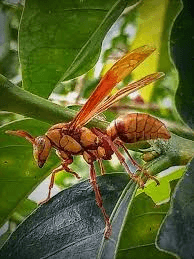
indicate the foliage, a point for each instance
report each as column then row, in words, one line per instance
column 62, row 40
column 180, row 218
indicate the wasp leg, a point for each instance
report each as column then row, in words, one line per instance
column 102, row 170
column 145, row 172
column 69, row 170
column 149, row 176
column 67, row 160
column 56, row 170
column 120, row 144
column 120, row 157
column 99, row 202
column 63, row 166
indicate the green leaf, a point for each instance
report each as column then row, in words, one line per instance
column 161, row 193
column 23, row 210
column 177, row 232
column 62, row 39
column 108, row 248
column 9, row 63
column 182, row 53
column 5, row 34
column 168, row 86
column 19, row 174
column 70, row 227
column 154, row 26
column 140, row 230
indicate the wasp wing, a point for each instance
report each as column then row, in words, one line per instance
column 132, row 87
column 115, row 74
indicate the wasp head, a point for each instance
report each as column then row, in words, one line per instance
column 41, row 145
column 41, row 149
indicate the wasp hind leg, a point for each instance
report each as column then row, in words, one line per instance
column 140, row 168
column 114, row 146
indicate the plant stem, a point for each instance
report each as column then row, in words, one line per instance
column 175, row 152
column 17, row 100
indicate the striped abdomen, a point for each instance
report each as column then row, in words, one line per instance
column 137, row 126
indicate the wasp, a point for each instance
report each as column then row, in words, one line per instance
column 72, row 138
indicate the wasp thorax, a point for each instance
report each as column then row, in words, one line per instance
column 41, row 149
column 88, row 139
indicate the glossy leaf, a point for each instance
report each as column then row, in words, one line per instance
column 23, row 210
column 62, row 39
column 162, row 192
column 155, row 31
column 4, row 237
column 70, row 227
column 108, row 248
column 9, row 62
column 177, row 232
column 20, row 213
column 140, row 230
column 169, row 85
column 182, row 46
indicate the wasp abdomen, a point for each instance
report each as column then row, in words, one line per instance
column 137, row 126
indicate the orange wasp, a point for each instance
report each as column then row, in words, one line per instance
column 72, row 138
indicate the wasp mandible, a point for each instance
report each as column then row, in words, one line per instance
column 72, row 138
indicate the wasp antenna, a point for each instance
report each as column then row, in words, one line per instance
column 22, row 134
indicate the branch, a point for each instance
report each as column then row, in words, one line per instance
column 177, row 151
column 17, row 100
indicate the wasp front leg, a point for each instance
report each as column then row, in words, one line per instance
column 66, row 160
column 99, row 201
column 56, row 170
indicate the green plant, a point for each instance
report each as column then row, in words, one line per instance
column 60, row 41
